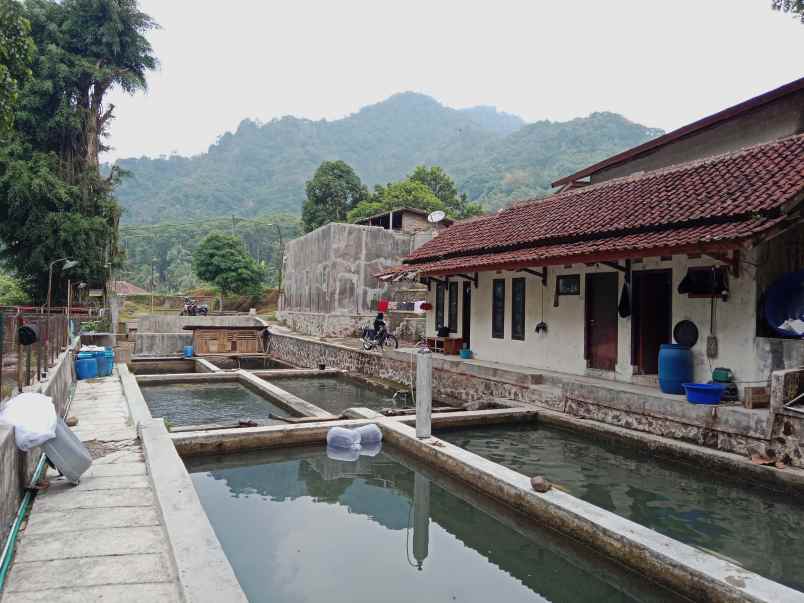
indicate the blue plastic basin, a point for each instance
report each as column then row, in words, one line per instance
column 704, row 393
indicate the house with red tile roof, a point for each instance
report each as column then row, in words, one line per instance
column 675, row 241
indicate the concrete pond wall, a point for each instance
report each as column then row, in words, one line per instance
column 16, row 467
column 165, row 335
column 729, row 428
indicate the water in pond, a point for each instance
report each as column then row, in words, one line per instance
column 248, row 363
column 300, row 527
column 336, row 394
column 759, row 529
column 205, row 403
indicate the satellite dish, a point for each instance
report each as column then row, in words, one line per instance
column 436, row 216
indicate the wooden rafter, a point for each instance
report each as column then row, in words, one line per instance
column 733, row 261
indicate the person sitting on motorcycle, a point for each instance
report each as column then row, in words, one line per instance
column 379, row 325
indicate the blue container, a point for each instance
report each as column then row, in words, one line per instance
column 110, row 359
column 103, row 366
column 465, row 354
column 84, row 355
column 675, row 368
column 704, row 393
column 86, row 368
column 188, row 351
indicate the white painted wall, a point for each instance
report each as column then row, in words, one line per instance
column 561, row 348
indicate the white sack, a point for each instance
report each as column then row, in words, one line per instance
column 33, row 417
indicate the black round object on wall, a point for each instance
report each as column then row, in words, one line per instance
column 28, row 334
column 685, row 333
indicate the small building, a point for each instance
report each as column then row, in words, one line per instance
column 405, row 219
column 595, row 278
column 210, row 340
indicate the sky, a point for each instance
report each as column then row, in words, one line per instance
column 662, row 64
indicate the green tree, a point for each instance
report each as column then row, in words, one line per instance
column 16, row 53
column 436, row 179
column 795, row 7
column 332, row 192
column 222, row 260
column 53, row 200
column 11, row 291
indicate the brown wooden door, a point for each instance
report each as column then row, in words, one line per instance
column 601, row 320
column 652, row 317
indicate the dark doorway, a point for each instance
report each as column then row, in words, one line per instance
column 601, row 320
column 466, row 316
column 652, row 319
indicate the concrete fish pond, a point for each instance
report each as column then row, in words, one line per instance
column 336, row 393
column 421, row 518
column 297, row 525
column 183, row 404
column 752, row 526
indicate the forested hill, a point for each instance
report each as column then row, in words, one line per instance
column 261, row 168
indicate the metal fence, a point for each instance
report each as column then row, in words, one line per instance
column 24, row 365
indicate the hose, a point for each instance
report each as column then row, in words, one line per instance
column 22, row 512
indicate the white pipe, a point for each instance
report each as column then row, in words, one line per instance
column 424, row 393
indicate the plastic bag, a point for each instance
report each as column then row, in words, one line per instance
column 369, row 434
column 33, row 417
column 343, row 454
column 371, row 449
column 340, row 437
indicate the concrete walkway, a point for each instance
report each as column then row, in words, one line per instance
column 102, row 540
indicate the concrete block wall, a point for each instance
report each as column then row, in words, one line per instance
column 330, row 288
column 17, row 468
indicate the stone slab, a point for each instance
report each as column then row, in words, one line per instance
column 91, row 571
column 91, row 543
column 163, row 592
column 115, row 469
column 95, row 482
column 52, row 522
column 77, row 499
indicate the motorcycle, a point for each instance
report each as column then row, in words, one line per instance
column 192, row 308
column 380, row 338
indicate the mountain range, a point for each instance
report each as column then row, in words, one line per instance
column 261, row 168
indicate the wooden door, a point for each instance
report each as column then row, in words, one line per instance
column 601, row 320
column 466, row 317
column 652, row 318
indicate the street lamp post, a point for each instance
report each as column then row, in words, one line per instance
column 68, row 263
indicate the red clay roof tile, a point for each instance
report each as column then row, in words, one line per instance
column 716, row 197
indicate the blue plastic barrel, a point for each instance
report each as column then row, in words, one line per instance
column 110, row 359
column 103, row 366
column 188, row 351
column 675, row 367
column 86, row 368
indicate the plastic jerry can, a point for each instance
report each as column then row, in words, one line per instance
column 67, row 453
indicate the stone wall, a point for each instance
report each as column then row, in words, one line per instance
column 17, row 468
column 729, row 428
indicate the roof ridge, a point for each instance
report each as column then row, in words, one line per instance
column 645, row 176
